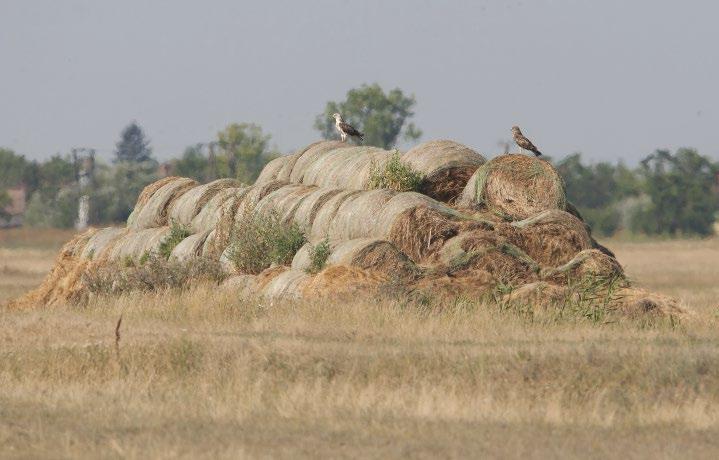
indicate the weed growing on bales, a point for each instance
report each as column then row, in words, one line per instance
column 260, row 240
column 155, row 273
column 178, row 232
column 395, row 175
column 319, row 255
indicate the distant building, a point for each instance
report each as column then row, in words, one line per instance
column 13, row 213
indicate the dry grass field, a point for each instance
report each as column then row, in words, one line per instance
column 201, row 373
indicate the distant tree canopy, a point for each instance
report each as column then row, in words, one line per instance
column 245, row 150
column 381, row 116
column 681, row 188
column 193, row 164
column 133, row 146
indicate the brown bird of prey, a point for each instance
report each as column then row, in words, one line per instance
column 345, row 129
column 523, row 142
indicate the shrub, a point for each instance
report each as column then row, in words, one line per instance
column 396, row 175
column 318, row 256
column 155, row 273
column 260, row 240
column 178, row 232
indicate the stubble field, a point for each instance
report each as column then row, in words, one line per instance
column 201, row 373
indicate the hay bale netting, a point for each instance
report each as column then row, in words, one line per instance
column 64, row 283
column 287, row 285
column 153, row 213
column 588, row 264
column 446, row 167
column 185, row 208
column 515, row 186
column 190, row 247
column 347, row 167
column 101, row 242
column 552, row 237
column 134, row 245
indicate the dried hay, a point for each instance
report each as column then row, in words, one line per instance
column 267, row 275
column 208, row 216
column 309, row 156
column 552, row 237
column 190, row 247
column 371, row 254
column 446, row 167
column 150, row 190
column 303, row 258
column 590, row 263
column 243, row 285
column 284, row 201
column 184, row 209
column 355, row 214
column 272, row 169
column 101, row 241
column 134, row 245
column 346, row 167
column 635, row 303
column 515, row 186
column 538, row 295
column 307, row 210
column 340, row 281
column 325, row 215
column 64, row 284
column 154, row 211
column 286, row 285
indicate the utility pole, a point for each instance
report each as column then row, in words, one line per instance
column 86, row 170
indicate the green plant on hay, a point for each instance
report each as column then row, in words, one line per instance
column 319, row 254
column 178, row 232
column 396, row 175
column 260, row 240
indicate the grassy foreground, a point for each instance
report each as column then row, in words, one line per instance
column 203, row 374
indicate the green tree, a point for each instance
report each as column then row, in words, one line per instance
column 133, row 145
column 5, row 201
column 681, row 192
column 192, row 164
column 245, row 151
column 13, row 168
column 383, row 117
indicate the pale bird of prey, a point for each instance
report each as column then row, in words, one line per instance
column 523, row 142
column 345, row 129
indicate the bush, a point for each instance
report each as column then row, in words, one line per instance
column 155, row 273
column 178, row 232
column 605, row 221
column 396, row 175
column 318, row 256
column 260, row 240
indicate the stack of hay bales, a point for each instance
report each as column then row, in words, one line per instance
column 475, row 227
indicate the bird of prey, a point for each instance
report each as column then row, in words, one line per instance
column 523, row 142
column 345, row 129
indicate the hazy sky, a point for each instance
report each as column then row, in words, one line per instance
column 612, row 79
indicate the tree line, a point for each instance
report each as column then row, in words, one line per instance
column 668, row 193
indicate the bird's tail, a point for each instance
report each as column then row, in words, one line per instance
column 537, row 153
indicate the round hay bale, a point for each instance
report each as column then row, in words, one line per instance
column 208, row 216
column 285, row 173
column 371, row 254
column 150, row 190
column 254, row 194
column 272, row 169
column 311, row 154
column 190, row 247
column 100, row 241
column 154, row 212
column 588, row 263
column 446, row 166
column 516, row 186
column 538, row 295
column 356, row 212
column 303, row 258
column 287, row 285
column 307, row 210
column 243, row 285
column 324, row 216
column 267, row 275
column 185, row 208
column 637, row 303
column 134, row 245
column 347, row 167
column 284, row 201
column 552, row 237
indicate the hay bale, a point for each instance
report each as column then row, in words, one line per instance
column 324, row 216
column 303, row 258
column 446, row 167
column 635, row 303
column 341, row 281
column 190, row 247
column 208, row 216
column 286, row 285
column 243, row 285
column 552, row 237
column 65, row 283
column 307, row 210
column 101, row 241
column 185, row 208
column 354, row 215
column 588, row 263
column 284, row 201
column 134, row 245
column 150, row 190
column 515, row 186
column 308, row 157
column 346, row 167
column 271, row 169
column 153, row 213
column 371, row 254
column 538, row 295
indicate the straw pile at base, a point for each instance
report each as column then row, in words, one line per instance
column 511, row 236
